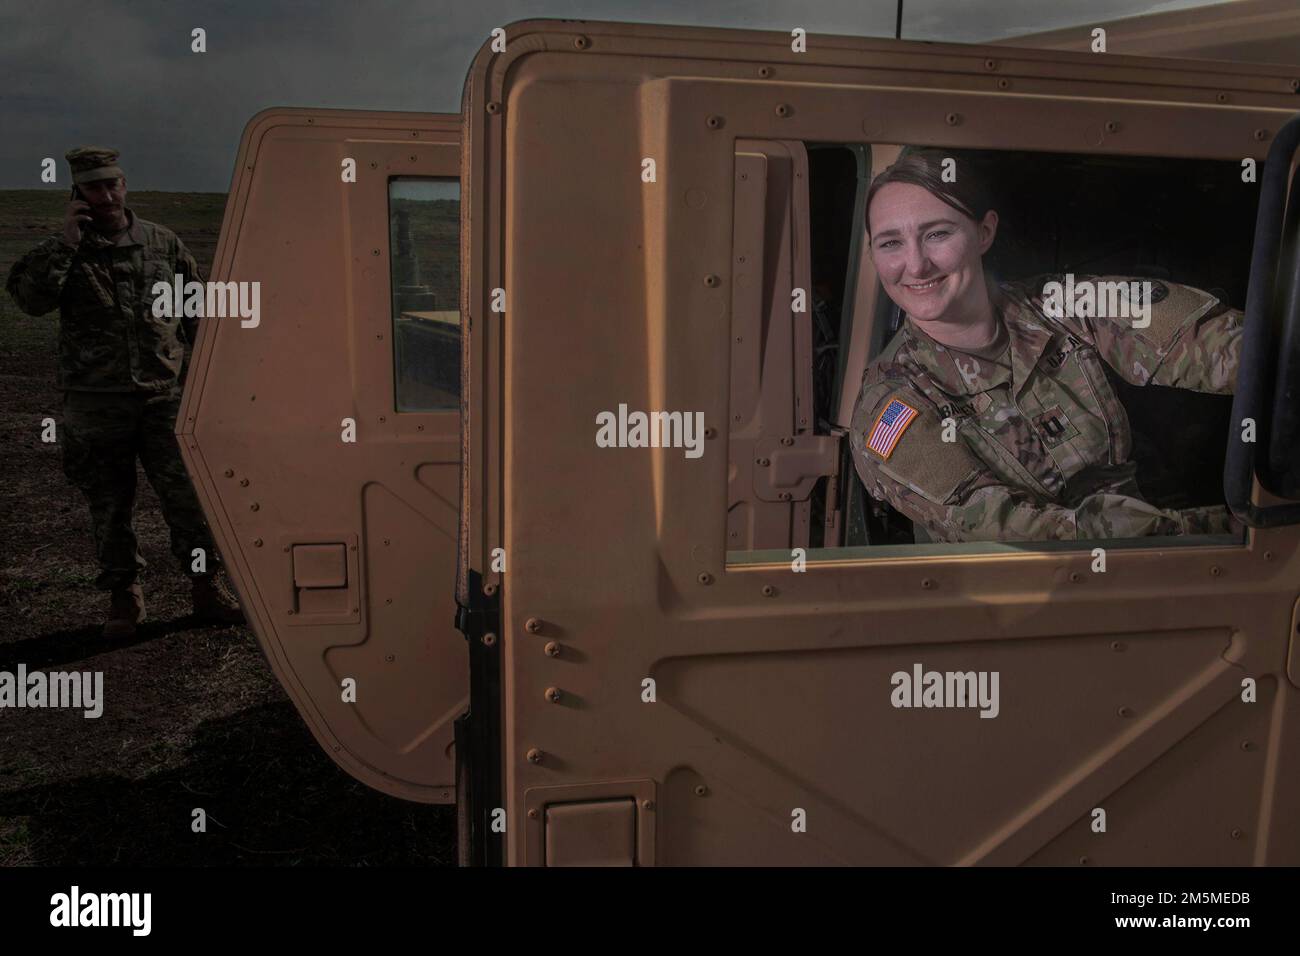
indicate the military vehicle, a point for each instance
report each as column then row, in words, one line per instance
column 639, row 655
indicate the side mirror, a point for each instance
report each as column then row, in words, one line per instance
column 1268, row 392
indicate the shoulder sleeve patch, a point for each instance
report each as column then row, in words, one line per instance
column 898, row 439
column 890, row 425
column 1172, row 307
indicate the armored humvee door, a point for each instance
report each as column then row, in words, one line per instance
column 342, row 550
column 664, row 700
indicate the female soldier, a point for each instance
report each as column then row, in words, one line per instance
column 989, row 416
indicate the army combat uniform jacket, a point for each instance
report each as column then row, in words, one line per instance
column 109, row 339
column 1035, row 445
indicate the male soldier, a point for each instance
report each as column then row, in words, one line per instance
column 120, row 369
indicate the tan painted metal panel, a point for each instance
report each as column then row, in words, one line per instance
column 342, row 553
column 772, row 687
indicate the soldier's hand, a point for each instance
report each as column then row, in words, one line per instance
column 77, row 215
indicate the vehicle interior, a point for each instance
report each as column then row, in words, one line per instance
column 1180, row 220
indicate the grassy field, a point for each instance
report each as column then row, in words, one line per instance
column 197, row 719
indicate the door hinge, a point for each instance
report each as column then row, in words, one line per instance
column 478, row 731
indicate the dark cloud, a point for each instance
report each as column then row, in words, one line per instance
column 120, row 72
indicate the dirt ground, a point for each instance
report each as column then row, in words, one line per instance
column 194, row 717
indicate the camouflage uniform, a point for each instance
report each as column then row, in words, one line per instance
column 120, row 369
column 1042, row 443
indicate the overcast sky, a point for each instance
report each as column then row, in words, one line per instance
column 120, row 72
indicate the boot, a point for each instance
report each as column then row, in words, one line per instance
column 213, row 601
column 125, row 612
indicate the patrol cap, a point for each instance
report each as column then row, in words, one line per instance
column 90, row 163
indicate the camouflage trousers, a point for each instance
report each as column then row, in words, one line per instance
column 102, row 434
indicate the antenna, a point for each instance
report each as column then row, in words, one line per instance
column 898, row 23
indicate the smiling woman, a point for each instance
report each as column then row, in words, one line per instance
column 989, row 415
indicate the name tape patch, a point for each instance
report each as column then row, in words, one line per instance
column 889, row 427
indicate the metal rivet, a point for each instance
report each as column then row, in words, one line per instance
column 552, row 649
column 647, row 804
column 1261, row 134
column 785, row 496
column 990, row 64
column 581, row 42
column 230, row 473
column 493, row 107
column 1221, row 97
column 1083, row 861
column 1112, row 126
column 1076, row 577
column 386, row 541
column 952, row 119
column 257, row 542
column 292, row 611
column 710, row 432
column 534, row 755
column 373, row 164
column 927, row 584
column 1126, row 711
column 1004, row 84
column 553, row 694
column 769, row 591
column 787, row 442
column 1237, row 833
column 413, row 157
column 489, row 589
column 1247, row 745
column 489, row 639
column 765, row 71
column 1295, row 86
column 390, row 658
column 243, row 482
column 711, row 280
column 783, row 109
column 762, row 461
column 1268, row 555
column 533, row 625
column 254, row 507
column 715, row 122
column 374, row 252
column 351, row 548
column 705, row 577
column 534, row 814
column 701, row 790
column 356, row 610
column 1117, row 646
column 285, row 548
column 388, row 600
column 1215, row 570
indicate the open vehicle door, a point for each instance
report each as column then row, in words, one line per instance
column 666, row 697
column 324, row 440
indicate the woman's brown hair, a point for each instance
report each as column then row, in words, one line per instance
column 924, row 168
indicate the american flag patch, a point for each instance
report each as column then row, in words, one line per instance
column 889, row 427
